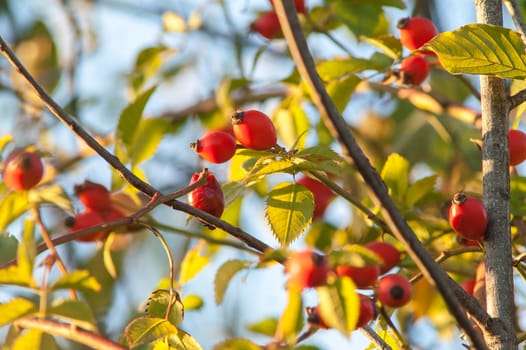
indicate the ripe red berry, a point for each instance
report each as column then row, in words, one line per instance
column 321, row 193
column 306, row 269
column 215, row 146
column 389, row 254
column 300, row 5
column 367, row 311
column 23, row 170
column 414, row 70
column 416, row 31
column 84, row 220
column 254, row 130
column 207, row 197
column 267, row 25
column 363, row 277
column 517, row 146
column 93, row 196
column 468, row 285
column 393, row 290
column 468, row 217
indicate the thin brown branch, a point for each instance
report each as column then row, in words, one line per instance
column 375, row 338
column 336, row 124
column 51, row 247
column 121, row 169
column 517, row 99
column 91, row 339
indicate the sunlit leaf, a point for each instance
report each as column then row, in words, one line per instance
column 35, row 339
column 192, row 264
column 341, row 90
column 131, row 116
column 237, row 344
column 157, row 306
column 15, row 309
column 53, row 194
column 173, row 22
column 81, row 280
column 147, row 138
column 419, row 189
column 193, row 302
column 266, row 327
column 184, row 341
column 481, row 49
column 144, row 330
column 4, row 141
column 395, row 173
column 362, row 18
column 389, row 44
column 292, row 122
column 338, row 68
column 291, row 321
column 12, row 205
column 75, row 312
column 339, row 305
column 289, row 211
column 8, row 247
column 224, row 275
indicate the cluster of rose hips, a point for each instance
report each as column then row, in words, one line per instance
column 308, row 269
column 98, row 209
column 267, row 24
column 415, row 32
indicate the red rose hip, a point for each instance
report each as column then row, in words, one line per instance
column 414, row 70
column 254, row 130
column 467, row 216
column 215, row 146
column 93, row 196
column 393, row 290
column 389, row 254
column 23, row 170
column 321, row 193
column 306, row 269
column 416, row 32
column 267, row 25
column 517, row 146
column 363, row 277
column 207, row 197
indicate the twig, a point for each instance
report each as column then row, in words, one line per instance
column 516, row 15
column 397, row 333
column 49, row 244
column 93, row 340
column 375, row 338
column 517, row 99
column 337, row 126
column 111, row 159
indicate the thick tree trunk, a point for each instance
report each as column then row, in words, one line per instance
column 496, row 191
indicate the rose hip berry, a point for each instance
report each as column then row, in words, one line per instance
column 363, row 277
column 254, row 130
column 517, row 146
column 207, row 197
column 93, row 196
column 367, row 311
column 393, row 290
column 414, row 70
column 90, row 218
column 321, row 193
column 23, row 170
column 389, row 254
column 267, row 25
column 306, row 269
column 215, row 146
column 467, row 216
column 300, row 5
column 416, row 31
column 468, row 285
column 314, row 318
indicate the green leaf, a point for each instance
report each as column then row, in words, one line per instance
column 389, row 44
column 339, row 305
column 184, row 341
column 4, row 141
column 131, row 116
column 395, row 173
column 291, row 321
column 481, row 49
column 145, row 330
column 224, row 275
column 157, row 305
column 362, row 18
column 75, row 312
column 193, row 302
column 35, row 339
column 353, row 255
column 341, row 90
column 293, row 122
column 266, row 327
column 289, row 211
column 15, row 309
column 192, row 264
column 12, row 205
column 81, row 280
column 237, row 344
column 271, row 167
column 338, row 68
column 8, row 247
column 53, row 194
column 147, row 138
column 419, row 189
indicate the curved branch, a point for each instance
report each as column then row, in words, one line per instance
column 111, row 159
column 335, row 123
column 91, row 339
column 517, row 99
